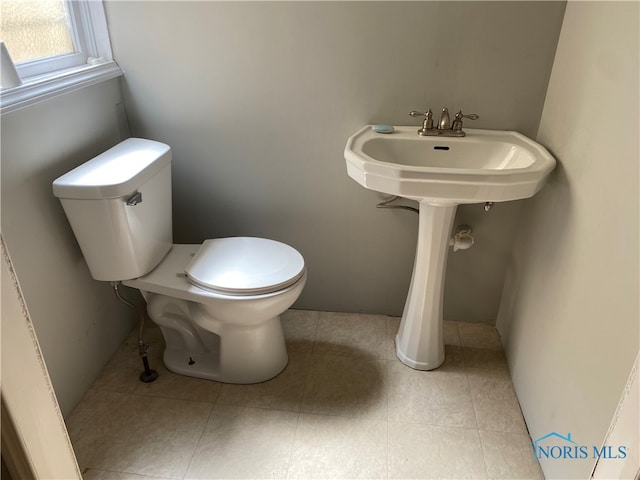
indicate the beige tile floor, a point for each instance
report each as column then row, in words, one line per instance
column 344, row 408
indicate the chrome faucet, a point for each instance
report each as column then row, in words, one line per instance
column 445, row 127
column 445, row 121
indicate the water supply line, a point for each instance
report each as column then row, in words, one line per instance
column 387, row 204
column 147, row 375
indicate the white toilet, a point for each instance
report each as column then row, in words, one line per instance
column 218, row 304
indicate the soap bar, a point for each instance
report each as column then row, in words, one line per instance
column 382, row 128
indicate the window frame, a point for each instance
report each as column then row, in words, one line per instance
column 93, row 63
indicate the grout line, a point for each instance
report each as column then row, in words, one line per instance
column 293, row 444
column 484, row 455
column 141, row 475
column 304, row 392
column 195, row 448
column 315, row 333
column 388, row 335
column 388, row 452
column 471, row 396
column 310, row 365
column 386, row 391
column 436, row 425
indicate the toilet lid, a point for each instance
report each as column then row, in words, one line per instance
column 245, row 266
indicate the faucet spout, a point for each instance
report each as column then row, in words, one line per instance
column 445, row 120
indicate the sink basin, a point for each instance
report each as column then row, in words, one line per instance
column 483, row 166
column 441, row 173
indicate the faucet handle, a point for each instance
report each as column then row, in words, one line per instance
column 471, row 116
column 457, row 123
column 415, row 113
column 427, row 123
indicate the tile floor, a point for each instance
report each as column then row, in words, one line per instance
column 344, row 408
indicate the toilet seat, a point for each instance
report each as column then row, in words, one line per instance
column 244, row 266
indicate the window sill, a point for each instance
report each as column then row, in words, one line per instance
column 40, row 88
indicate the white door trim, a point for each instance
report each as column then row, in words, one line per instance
column 38, row 445
column 624, row 431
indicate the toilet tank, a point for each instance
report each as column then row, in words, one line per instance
column 119, row 207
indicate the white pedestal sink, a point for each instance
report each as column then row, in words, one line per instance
column 441, row 173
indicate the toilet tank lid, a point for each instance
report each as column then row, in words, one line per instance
column 116, row 172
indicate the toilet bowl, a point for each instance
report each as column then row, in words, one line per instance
column 231, row 333
column 218, row 304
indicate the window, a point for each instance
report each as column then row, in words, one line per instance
column 52, row 46
column 36, row 29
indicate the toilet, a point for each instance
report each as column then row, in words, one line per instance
column 217, row 304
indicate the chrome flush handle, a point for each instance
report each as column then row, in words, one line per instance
column 134, row 199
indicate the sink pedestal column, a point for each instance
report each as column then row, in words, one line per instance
column 420, row 342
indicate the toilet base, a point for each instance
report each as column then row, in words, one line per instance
column 242, row 350
column 207, row 366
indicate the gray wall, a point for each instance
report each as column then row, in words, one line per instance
column 569, row 314
column 78, row 321
column 258, row 99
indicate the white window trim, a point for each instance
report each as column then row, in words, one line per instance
column 97, row 65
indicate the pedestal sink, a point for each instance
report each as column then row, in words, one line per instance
column 441, row 173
